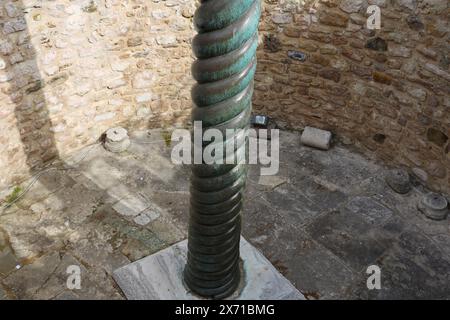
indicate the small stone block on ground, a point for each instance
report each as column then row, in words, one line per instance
column 316, row 138
column 159, row 277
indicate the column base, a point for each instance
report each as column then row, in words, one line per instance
column 160, row 277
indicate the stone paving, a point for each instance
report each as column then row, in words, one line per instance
column 322, row 221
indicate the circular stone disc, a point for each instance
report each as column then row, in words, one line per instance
column 435, row 201
column 398, row 180
column 116, row 134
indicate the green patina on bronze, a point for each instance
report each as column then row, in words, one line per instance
column 207, row 94
column 226, row 51
column 225, row 110
column 227, row 65
column 215, row 15
column 217, row 183
column 223, row 41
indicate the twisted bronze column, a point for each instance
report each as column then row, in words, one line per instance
column 226, row 50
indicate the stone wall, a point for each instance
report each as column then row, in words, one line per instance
column 385, row 91
column 71, row 69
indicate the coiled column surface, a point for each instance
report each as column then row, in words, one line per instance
column 225, row 46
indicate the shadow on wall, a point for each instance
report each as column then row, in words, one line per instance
column 25, row 88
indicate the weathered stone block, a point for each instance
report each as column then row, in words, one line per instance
column 159, row 277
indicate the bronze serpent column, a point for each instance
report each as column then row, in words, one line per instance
column 225, row 47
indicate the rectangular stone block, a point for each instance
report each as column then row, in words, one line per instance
column 159, row 277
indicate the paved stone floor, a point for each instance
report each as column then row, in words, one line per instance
column 322, row 221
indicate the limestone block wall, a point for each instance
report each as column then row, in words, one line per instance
column 385, row 91
column 70, row 69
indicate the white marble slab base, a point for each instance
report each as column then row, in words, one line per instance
column 159, row 277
